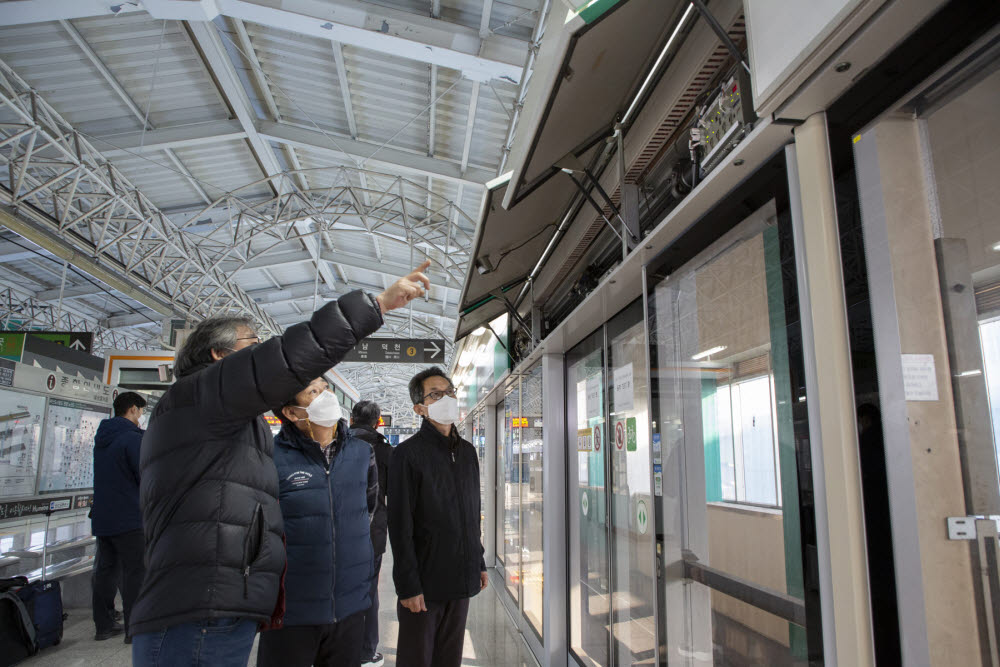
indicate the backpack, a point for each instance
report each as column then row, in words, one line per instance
column 43, row 600
column 17, row 631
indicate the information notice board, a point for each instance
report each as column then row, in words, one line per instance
column 47, row 425
column 68, row 454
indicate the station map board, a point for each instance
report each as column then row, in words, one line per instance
column 68, row 454
column 21, row 418
column 47, row 425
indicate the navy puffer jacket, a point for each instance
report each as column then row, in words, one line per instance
column 326, row 513
column 209, row 489
column 116, row 478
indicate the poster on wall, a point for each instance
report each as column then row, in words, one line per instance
column 624, row 391
column 21, row 418
column 68, row 455
column 594, row 397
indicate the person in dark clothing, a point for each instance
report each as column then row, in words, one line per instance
column 364, row 420
column 209, row 488
column 434, row 512
column 327, row 481
column 115, row 518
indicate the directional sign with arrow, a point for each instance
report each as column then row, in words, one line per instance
column 398, row 351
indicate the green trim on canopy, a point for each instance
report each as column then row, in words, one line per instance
column 596, row 9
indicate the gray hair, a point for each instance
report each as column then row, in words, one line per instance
column 366, row 413
column 217, row 333
column 417, row 383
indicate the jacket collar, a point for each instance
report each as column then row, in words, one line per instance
column 368, row 429
column 428, row 430
column 290, row 436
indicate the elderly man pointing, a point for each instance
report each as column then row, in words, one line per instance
column 209, row 489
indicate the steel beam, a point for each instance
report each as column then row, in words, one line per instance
column 368, row 26
column 405, row 161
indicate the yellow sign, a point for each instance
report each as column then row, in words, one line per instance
column 411, row 351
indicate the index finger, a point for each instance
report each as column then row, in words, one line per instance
column 418, row 274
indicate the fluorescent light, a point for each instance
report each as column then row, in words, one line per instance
column 996, row 246
column 479, row 332
column 502, row 179
column 656, row 66
column 967, row 374
column 708, row 353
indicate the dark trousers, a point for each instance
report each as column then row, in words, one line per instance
column 335, row 645
column 432, row 638
column 371, row 616
column 117, row 554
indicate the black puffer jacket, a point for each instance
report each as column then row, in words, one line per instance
column 383, row 454
column 434, row 515
column 209, row 489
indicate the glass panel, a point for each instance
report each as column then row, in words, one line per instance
column 963, row 134
column 989, row 334
column 531, row 497
column 723, row 411
column 479, row 440
column 501, row 485
column 589, row 577
column 631, row 495
column 513, row 478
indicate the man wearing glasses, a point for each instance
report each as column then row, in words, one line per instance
column 434, row 512
column 209, row 487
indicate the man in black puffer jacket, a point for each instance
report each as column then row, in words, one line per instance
column 209, row 489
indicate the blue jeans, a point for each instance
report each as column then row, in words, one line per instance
column 222, row 642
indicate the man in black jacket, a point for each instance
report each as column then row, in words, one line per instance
column 115, row 519
column 209, row 489
column 364, row 420
column 434, row 511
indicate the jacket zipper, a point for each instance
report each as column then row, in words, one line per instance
column 333, row 533
column 461, row 508
column 254, row 527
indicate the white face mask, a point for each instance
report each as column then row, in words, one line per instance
column 444, row 411
column 324, row 410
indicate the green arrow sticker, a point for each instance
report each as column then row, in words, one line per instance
column 641, row 517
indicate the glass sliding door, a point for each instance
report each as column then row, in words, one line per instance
column 732, row 476
column 501, row 484
column 479, row 440
column 532, row 500
column 513, row 479
column 633, row 569
column 612, row 582
column 589, row 571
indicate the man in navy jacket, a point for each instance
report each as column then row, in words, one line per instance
column 116, row 519
column 327, row 484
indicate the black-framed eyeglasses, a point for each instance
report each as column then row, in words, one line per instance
column 255, row 339
column 438, row 395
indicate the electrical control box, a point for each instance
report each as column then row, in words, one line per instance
column 725, row 120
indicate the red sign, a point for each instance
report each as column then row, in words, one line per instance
column 620, row 435
column 597, row 438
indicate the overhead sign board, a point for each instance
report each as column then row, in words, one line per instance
column 399, row 430
column 12, row 342
column 398, row 351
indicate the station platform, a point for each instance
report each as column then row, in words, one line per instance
column 491, row 639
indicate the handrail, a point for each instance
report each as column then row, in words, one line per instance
column 766, row 599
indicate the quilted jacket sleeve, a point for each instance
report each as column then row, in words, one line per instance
column 250, row 382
